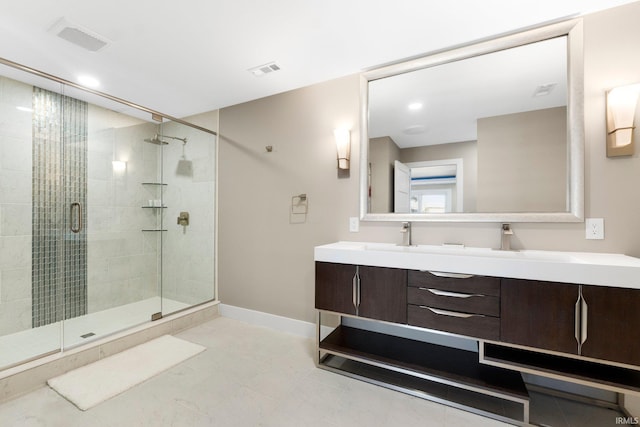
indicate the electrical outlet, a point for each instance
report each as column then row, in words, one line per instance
column 594, row 228
column 354, row 224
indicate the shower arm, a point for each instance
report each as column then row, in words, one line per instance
column 184, row 140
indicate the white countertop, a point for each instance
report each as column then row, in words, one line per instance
column 568, row 267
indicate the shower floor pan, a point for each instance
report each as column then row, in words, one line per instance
column 25, row 345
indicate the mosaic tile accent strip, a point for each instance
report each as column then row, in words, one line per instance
column 59, row 256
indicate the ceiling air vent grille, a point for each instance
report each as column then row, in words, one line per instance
column 78, row 35
column 262, row 70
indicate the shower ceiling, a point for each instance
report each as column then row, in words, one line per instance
column 195, row 56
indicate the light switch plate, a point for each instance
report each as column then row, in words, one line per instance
column 354, row 224
column 594, row 228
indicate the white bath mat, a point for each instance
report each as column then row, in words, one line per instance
column 89, row 385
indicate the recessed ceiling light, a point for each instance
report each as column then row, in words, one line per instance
column 88, row 81
column 544, row 90
column 415, row 106
column 25, row 109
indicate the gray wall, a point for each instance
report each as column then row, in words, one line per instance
column 522, row 162
column 267, row 264
column 383, row 152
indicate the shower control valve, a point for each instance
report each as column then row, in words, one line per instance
column 183, row 219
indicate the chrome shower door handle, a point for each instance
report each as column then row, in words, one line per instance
column 75, row 226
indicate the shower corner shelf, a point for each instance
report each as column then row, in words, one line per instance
column 154, row 230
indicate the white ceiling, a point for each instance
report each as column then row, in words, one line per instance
column 190, row 56
column 455, row 95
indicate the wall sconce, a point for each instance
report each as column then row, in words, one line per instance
column 343, row 144
column 621, row 109
column 119, row 167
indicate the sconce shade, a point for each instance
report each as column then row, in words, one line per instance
column 119, row 166
column 622, row 103
column 343, row 145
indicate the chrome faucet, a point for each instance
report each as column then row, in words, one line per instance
column 406, row 234
column 505, row 242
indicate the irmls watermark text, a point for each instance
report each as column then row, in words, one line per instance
column 627, row 420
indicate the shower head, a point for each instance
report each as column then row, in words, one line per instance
column 156, row 140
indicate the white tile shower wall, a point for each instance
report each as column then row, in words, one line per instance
column 188, row 257
column 15, row 206
column 122, row 260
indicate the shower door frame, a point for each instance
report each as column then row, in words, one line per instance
column 158, row 117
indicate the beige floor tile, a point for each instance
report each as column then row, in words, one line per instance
column 250, row 376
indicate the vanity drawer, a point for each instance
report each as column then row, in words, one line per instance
column 469, row 284
column 472, row 325
column 457, row 301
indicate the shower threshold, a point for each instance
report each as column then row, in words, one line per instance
column 28, row 344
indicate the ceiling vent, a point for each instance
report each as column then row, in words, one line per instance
column 264, row 69
column 78, row 35
column 544, row 90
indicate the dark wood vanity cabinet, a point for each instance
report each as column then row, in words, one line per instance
column 613, row 324
column 598, row 322
column 539, row 314
column 334, row 291
column 378, row 293
column 383, row 294
column 457, row 303
column 582, row 333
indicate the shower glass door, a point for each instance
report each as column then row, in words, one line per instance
column 188, row 249
column 107, row 216
column 28, row 222
column 116, row 194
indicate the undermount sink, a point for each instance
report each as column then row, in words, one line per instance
column 569, row 267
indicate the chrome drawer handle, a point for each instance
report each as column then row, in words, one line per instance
column 450, row 294
column 451, row 313
column 449, row 275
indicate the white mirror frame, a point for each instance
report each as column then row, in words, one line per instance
column 575, row 130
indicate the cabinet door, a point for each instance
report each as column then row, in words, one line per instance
column 334, row 287
column 539, row 314
column 383, row 294
column 613, row 324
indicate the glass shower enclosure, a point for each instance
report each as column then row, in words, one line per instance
column 107, row 215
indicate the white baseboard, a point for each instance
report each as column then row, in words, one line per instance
column 272, row 321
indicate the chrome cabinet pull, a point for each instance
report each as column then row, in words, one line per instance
column 449, row 275
column 584, row 315
column 451, row 313
column 581, row 318
column 577, row 321
column 449, row 294
column 355, row 283
column 75, row 206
